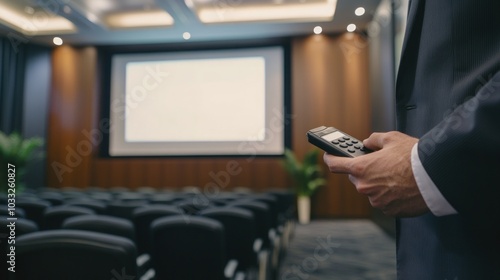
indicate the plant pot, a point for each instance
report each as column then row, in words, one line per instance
column 304, row 209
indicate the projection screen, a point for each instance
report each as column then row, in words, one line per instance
column 198, row 103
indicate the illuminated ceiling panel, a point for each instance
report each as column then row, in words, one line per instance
column 34, row 19
column 265, row 11
column 139, row 19
column 125, row 14
column 90, row 22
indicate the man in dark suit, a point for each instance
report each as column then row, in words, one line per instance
column 440, row 175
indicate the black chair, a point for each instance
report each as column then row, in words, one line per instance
column 240, row 233
column 75, row 255
column 223, row 199
column 150, row 191
column 118, row 190
column 102, row 197
column 18, row 212
column 144, row 216
column 3, row 198
column 286, row 215
column 275, row 235
column 271, row 202
column 193, row 204
column 109, row 225
column 103, row 224
column 262, row 217
column 21, row 227
column 72, row 192
column 34, row 208
column 270, row 243
column 99, row 207
column 194, row 250
column 54, row 198
column 131, row 196
column 164, row 198
column 285, row 204
column 54, row 217
column 124, row 209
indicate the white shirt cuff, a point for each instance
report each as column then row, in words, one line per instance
column 436, row 202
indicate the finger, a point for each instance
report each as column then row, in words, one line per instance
column 353, row 179
column 338, row 164
column 375, row 141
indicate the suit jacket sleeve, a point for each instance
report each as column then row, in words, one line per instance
column 462, row 154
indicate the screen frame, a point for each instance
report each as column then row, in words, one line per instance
column 106, row 53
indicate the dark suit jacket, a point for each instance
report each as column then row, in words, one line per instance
column 448, row 95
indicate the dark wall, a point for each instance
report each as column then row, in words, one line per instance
column 35, row 106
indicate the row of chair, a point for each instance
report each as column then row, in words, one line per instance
column 254, row 228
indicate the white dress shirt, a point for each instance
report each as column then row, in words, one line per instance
column 436, row 202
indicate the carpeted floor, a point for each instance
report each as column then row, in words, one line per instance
column 339, row 249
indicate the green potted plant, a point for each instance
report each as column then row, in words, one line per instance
column 307, row 178
column 18, row 152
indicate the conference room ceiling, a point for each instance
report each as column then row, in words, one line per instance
column 112, row 22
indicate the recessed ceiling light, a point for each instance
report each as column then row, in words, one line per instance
column 30, row 24
column 359, row 11
column 186, row 35
column 57, row 41
column 317, row 30
column 351, row 27
column 67, row 9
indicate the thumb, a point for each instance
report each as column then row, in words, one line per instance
column 338, row 164
column 375, row 141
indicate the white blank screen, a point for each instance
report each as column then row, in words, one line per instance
column 224, row 102
column 218, row 99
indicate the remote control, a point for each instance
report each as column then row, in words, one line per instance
column 336, row 142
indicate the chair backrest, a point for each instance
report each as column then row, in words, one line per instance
column 193, row 204
column 270, row 201
column 54, row 217
column 4, row 211
column 262, row 217
column 124, row 209
column 14, row 228
column 54, row 198
column 144, row 216
column 34, row 208
column 131, row 196
column 103, row 224
column 22, row 226
column 74, row 254
column 98, row 206
column 188, row 250
column 285, row 204
column 239, row 230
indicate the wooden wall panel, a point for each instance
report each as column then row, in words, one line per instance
column 69, row 151
column 328, row 88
